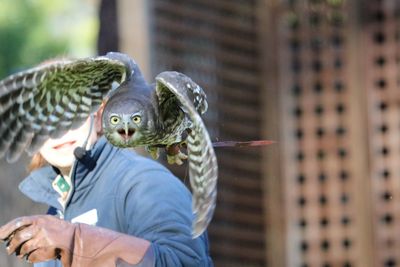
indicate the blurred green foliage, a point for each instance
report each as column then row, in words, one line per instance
column 32, row 31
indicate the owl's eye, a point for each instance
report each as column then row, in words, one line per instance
column 136, row 119
column 115, row 120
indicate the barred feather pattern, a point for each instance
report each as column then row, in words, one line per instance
column 203, row 173
column 50, row 99
column 203, row 167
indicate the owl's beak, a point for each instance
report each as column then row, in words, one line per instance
column 126, row 128
column 127, row 132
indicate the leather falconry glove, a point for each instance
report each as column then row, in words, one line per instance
column 44, row 237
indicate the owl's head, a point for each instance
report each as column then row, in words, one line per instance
column 127, row 123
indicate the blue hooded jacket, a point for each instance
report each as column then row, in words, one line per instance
column 122, row 191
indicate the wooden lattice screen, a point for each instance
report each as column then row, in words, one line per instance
column 320, row 177
column 382, row 81
column 215, row 42
column 339, row 77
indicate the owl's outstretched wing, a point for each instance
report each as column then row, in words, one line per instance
column 203, row 168
column 50, row 99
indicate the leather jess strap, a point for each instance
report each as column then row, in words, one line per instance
column 243, row 143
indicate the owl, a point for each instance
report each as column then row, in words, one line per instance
column 52, row 98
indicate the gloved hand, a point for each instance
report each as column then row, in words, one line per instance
column 41, row 238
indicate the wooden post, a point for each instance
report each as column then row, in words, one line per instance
column 358, row 100
column 273, row 185
column 134, row 32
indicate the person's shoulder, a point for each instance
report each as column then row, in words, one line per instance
column 143, row 170
column 127, row 170
column 133, row 162
column 146, row 182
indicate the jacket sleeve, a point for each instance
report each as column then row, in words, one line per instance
column 156, row 206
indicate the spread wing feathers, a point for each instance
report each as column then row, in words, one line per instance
column 203, row 168
column 50, row 99
column 187, row 88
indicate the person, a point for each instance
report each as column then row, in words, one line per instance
column 107, row 207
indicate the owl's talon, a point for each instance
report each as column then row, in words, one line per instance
column 153, row 151
column 175, row 155
column 177, row 159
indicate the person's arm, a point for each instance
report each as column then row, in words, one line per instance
column 44, row 237
column 157, row 207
